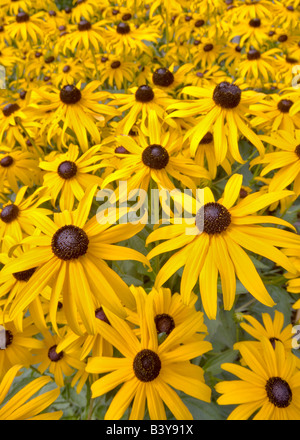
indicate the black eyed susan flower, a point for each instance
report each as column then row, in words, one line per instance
column 85, row 35
column 139, row 103
column 21, row 406
column 24, row 27
column 249, row 9
column 224, row 108
column 155, row 158
column 276, row 112
column 206, row 53
column 70, row 258
column 67, row 176
column 86, row 8
column 206, row 77
column 117, row 71
column 75, row 108
column 268, row 389
column 18, row 218
column 252, row 33
column 149, row 371
column 231, row 55
column 285, row 159
column 15, row 166
column 258, row 67
column 213, row 244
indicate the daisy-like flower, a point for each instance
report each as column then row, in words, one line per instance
column 18, row 217
column 286, row 159
column 269, row 388
column 269, row 329
column 206, row 52
column 19, row 345
column 140, row 102
column 252, row 33
column 58, row 363
column 125, row 39
column 224, row 108
column 13, row 7
column 155, row 158
column 85, row 35
column 68, row 176
column 147, row 369
column 287, row 16
column 206, row 77
column 21, row 406
column 276, row 112
column 249, row 9
column 11, row 115
column 171, row 78
column 116, row 71
column 86, row 8
column 169, row 312
column 26, row 27
column 70, row 71
column 213, row 244
column 70, row 257
column 15, row 166
column 258, row 67
column 78, row 110
column 285, row 70
column 231, row 55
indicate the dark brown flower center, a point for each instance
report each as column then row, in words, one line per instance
column 9, row 213
column 70, row 94
column 291, row 60
column 146, row 365
column 213, row 218
column 126, row 17
column 144, row 94
column 227, row 95
column 6, row 161
column 9, row 109
column 104, row 59
column 22, row 17
column 238, row 49
column 121, row 150
column 279, row 392
column 282, row 38
column 66, row 68
column 163, row 77
column 164, row 323
column 24, row 275
column 207, row 138
column 69, row 242
column 255, row 22
column 99, row 313
column 199, row 23
column 284, row 105
column 123, row 28
column 49, row 60
column 155, row 156
column 52, row 13
column 208, row 47
column 115, row 64
column 22, row 94
column 243, row 193
column 53, row 355
column 297, row 150
column 84, row 25
column 67, row 169
column 8, row 338
column 253, row 54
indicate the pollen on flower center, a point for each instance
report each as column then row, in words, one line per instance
column 163, row 77
column 155, row 156
column 227, row 95
column 69, row 94
column 53, row 355
column 279, row 392
column 9, row 213
column 24, row 275
column 67, row 169
column 164, row 323
column 214, row 217
column 146, row 365
column 144, row 94
column 284, row 105
column 69, row 242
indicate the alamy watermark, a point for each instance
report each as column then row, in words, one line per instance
column 2, row 77
column 158, row 206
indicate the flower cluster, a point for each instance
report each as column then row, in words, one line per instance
column 198, row 101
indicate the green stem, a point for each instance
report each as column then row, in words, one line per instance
column 95, row 62
column 18, row 121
